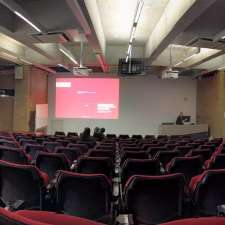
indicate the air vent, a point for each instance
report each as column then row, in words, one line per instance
column 54, row 37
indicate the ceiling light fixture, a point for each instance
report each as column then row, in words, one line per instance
column 9, row 55
column 139, row 8
column 27, row 21
column 187, row 58
column 68, row 55
column 25, row 61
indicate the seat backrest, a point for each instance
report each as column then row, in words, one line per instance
column 71, row 153
column 22, row 182
column 184, row 149
column 133, row 167
column 134, row 155
column 72, row 134
column 130, row 148
column 206, row 154
column 59, row 133
column 189, row 166
column 50, row 163
column 11, row 144
column 154, row 150
column 13, row 155
column 198, row 221
column 218, row 162
column 208, row 191
column 154, row 199
column 33, row 150
column 83, row 147
column 137, row 136
column 101, row 153
column 90, row 144
column 95, row 165
column 50, row 145
column 84, row 195
column 166, row 156
column 148, row 136
column 23, row 142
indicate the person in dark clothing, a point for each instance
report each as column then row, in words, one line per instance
column 180, row 119
column 99, row 133
column 86, row 135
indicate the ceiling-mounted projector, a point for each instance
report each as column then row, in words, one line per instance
column 170, row 74
column 81, row 71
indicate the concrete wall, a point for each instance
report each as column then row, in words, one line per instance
column 145, row 102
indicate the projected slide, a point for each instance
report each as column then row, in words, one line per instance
column 91, row 98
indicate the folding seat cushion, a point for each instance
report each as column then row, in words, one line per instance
column 139, row 167
column 95, row 165
column 22, row 182
column 51, row 146
column 184, row 149
column 198, row 221
column 154, row 199
column 83, row 147
column 206, row 154
column 33, row 150
column 165, row 157
column 13, row 155
column 189, row 166
column 32, row 217
column 217, row 162
column 133, row 155
column 102, row 153
column 84, row 195
column 211, row 147
column 71, row 153
column 50, row 163
column 207, row 191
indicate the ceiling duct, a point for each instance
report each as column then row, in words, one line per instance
column 207, row 43
column 52, row 37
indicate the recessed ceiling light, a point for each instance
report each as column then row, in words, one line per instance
column 27, row 21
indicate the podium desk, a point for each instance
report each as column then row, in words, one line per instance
column 198, row 130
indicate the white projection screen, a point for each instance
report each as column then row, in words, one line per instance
column 87, row 98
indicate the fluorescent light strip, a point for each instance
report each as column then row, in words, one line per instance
column 25, row 61
column 68, row 55
column 139, row 9
column 8, row 55
column 28, row 21
column 127, row 58
column 129, row 49
column 221, row 68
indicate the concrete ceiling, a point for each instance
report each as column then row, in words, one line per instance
column 117, row 19
column 105, row 26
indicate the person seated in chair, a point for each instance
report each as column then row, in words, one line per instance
column 180, row 119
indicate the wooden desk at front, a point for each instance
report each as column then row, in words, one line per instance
column 184, row 129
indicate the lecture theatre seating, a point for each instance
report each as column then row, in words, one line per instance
column 154, row 179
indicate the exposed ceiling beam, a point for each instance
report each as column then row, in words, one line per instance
column 18, row 11
column 177, row 17
column 82, row 12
